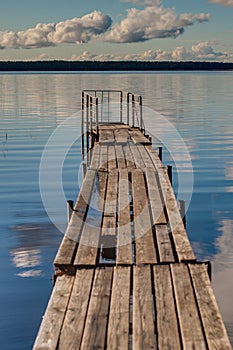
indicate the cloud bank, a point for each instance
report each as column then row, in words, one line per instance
column 139, row 25
column 228, row 3
column 74, row 31
column 150, row 23
column 203, row 51
column 144, row 2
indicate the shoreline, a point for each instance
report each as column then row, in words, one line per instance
column 58, row 65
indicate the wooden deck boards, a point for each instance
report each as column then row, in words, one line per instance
column 130, row 277
column 163, row 306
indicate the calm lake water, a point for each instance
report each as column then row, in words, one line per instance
column 32, row 106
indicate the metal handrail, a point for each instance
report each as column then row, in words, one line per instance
column 92, row 115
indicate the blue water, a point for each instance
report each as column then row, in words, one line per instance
column 32, row 106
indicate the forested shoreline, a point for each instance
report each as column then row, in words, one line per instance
column 60, row 65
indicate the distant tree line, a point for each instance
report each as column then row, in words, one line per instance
column 58, row 65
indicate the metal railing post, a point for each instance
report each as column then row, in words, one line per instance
column 91, row 114
column 128, row 108
column 140, row 111
column 169, row 172
column 121, row 101
column 133, row 110
column 160, row 153
column 102, row 102
column 97, row 116
column 82, row 126
column 87, row 124
column 108, row 105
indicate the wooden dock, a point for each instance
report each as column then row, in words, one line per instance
column 126, row 274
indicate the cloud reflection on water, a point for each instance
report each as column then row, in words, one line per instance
column 222, row 264
column 27, row 256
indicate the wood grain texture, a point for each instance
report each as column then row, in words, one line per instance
column 109, row 225
column 167, row 322
column 121, row 135
column 143, row 323
column 129, row 157
column 144, row 242
column 118, row 326
column 138, row 138
column 106, row 136
column 110, row 208
column 155, row 200
column 103, row 162
column 121, row 164
column 146, row 157
column 112, row 164
column 65, row 254
column 180, row 238
column 138, row 160
column 190, row 325
column 97, row 316
column 95, row 156
column 89, row 241
column 49, row 332
column 215, row 331
column 124, row 239
column 165, row 250
column 179, row 234
column 74, row 322
column 154, row 157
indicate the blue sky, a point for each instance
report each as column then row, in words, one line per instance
column 116, row 30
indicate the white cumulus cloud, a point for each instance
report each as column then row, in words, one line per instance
column 152, row 22
column 144, row 2
column 75, row 30
column 228, row 3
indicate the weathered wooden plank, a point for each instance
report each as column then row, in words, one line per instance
column 97, row 316
column 124, row 240
column 154, row 156
column 167, row 323
column 146, row 157
column 155, row 200
column 113, row 126
column 111, row 158
column 95, row 156
column 106, row 136
column 65, row 254
column 128, row 157
column 89, row 241
column 144, row 242
column 190, row 325
column 138, row 138
column 214, row 328
column 118, row 326
column 165, row 250
column 120, row 156
column 121, row 135
column 88, row 246
column 51, row 325
column 108, row 232
column 143, row 323
column 139, row 162
column 103, row 163
column 180, row 238
column 73, row 326
column 109, row 218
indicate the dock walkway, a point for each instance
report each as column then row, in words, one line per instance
column 126, row 274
